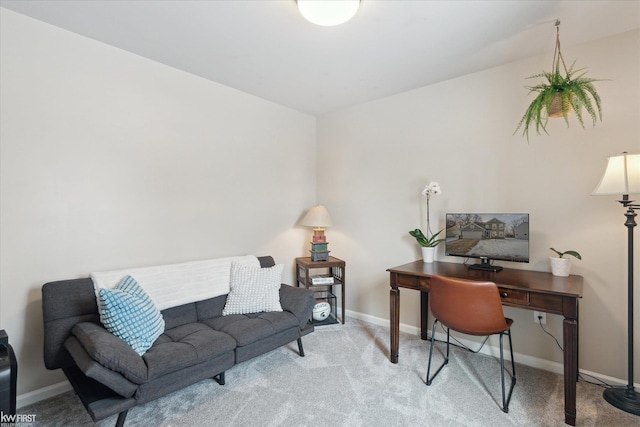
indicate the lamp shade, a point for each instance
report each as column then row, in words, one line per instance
column 318, row 216
column 328, row 12
column 622, row 176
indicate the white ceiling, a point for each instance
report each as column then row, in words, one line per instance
column 265, row 48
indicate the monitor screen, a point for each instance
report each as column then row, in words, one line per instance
column 488, row 236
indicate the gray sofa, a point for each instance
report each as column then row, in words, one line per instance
column 198, row 343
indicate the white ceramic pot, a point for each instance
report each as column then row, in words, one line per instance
column 428, row 254
column 560, row 266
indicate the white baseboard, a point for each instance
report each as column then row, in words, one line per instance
column 524, row 359
column 547, row 365
column 42, row 394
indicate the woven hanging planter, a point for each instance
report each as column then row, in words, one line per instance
column 555, row 110
column 564, row 91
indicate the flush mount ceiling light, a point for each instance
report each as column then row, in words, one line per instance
column 328, row 12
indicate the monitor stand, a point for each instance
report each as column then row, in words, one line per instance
column 485, row 265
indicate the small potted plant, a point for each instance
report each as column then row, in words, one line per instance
column 561, row 266
column 428, row 244
column 560, row 94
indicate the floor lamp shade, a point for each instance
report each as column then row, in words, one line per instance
column 622, row 177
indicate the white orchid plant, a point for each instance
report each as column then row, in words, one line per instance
column 430, row 240
column 431, row 188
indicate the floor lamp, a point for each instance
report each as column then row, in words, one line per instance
column 622, row 177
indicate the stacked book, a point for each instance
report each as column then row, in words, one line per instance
column 322, row 280
column 319, row 251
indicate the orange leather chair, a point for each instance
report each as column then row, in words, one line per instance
column 472, row 308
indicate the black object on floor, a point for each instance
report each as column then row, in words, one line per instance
column 8, row 376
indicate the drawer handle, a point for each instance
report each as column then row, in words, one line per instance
column 504, row 295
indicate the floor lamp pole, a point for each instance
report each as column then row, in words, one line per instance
column 627, row 398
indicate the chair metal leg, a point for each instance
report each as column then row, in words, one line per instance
column 432, row 344
column 505, row 401
column 513, row 362
column 448, row 341
column 300, row 349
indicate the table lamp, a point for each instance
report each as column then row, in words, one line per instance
column 318, row 217
column 622, row 177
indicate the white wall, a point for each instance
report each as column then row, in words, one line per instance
column 110, row 160
column 375, row 158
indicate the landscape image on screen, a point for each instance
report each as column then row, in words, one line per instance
column 495, row 236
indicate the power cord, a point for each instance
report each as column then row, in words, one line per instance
column 599, row 383
column 548, row 333
column 581, row 376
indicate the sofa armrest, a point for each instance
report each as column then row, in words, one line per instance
column 94, row 370
column 110, row 351
column 298, row 301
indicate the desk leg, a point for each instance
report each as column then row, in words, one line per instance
column 570, row 332
column 344, row 316
column 424, row 315
column 394, row 299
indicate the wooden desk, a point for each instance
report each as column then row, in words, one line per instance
column 531, row 290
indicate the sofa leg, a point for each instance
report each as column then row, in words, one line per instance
column 121, row 417
column 219, row 378
column 300, row 349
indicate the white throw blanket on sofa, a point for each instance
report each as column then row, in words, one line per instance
column 172, row 285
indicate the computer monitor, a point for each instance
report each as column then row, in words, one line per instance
column 488, row 237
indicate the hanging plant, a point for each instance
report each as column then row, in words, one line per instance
column 560, row 94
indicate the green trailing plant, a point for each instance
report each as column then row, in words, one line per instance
column 562, row 254
column 424, row 241
column 569, row 91
column 575, row 92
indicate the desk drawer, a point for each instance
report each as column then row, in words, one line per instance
column 413, row 282
column 514, row 296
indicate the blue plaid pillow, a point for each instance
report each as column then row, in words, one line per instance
column 128, row 313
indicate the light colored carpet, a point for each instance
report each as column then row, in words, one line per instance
column 346, row 379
